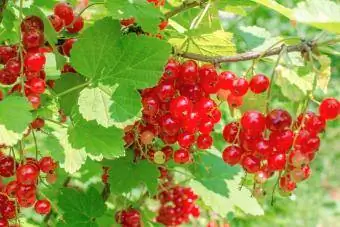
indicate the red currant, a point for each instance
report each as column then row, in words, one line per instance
column 67, row 46
column 278, row 120
column 239, row 87
column 204, row 142
column 34, row 62
column 182, row 156
column 65, row 12
column 226, row 80
column 42, row 206
column 232, row 155
column 329, row 108
column 253, row 122
column 76, row 26
column 56, row 22
column 251, row 164
column 259, row 83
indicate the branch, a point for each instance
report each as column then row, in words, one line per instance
column 185, row 6
column 2, row 8
column 302, row 47
column 244, row 56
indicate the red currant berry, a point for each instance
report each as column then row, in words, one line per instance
column 253, row 122
column 329, row 108
column 189, row 71
column 34, row 99
column 230, row 132
column 76, row 26
column 42, row 206
column 277, row 161
column 204, row 142
column 27, row 174
column 235, row 101
column 259, row 83
column 182, row 156
column 150, row 105
column 282, row 140
column 7, row 166
column 263, row 148
column 232, row 155
column 65, row 12
column 33, row 39
column 169, row 124
column 312, row 122
column 56, row 22
column 205, row 106
column 6, row 53
column 166, row 90
column 206, row 125
column 180, row 107
column 7, row 78
column 34, row 62
column 226, row 80
column 185, row 139
column 251, row 164
column 172, row 69
column 239, row 87
column 67, row 46
column 32, row 23
column 36, row 85
column 8, row 210
column 191, row 122
column 3, row 222
column 163, row 25
column 286, row 184
column 278, row 120
column 47, row 164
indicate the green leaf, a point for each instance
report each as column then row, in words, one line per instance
column 145, row 13
column 130, row 60
column 253, row 36
column 66, row 82
column 271, row 4
column 94, row 104
column 321, row 14
column 8, row 137
column 74, row 158
column 15, row 113
column 293, row 86
column 96, row 139
column 218, row 43
column 126, row 175
column 324, row 74
column 79, row 208
column 222, row 205
column 126, row 105
column 212, row 172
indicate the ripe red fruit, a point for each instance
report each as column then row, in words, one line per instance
column 235, row 101
column 282, row 140
column 226, row 80
column 259, row 83
column 298, row 158
column 216, row 115
column 263, row 148
column 189, row 71
column 232, row 155
column 11, row 189
column 251, row 164
column 277, row 161
column 8, row 210
column 169, row 124
column 56, row 22
column 36, row 85
column 3, row 222
column 312, row 122
column 33, row 39
column 34, row 62
column 76, row 26
column 13, row 66
column 239, row 87
column 65, row 12
column 6, row 53
column 206, row 125
column 163, row 25
column 34, row 99
column 278, row 120
column 127, row 22
column 180, row 107
column 191, row 122
column 253, row 122
column 27, row 174
column 32, row 23
column 67, row 46
column 230, row 132
column 185, row 139
column 204, row 141
column 7, row 78
column 286, row 184
column 42, row 206
column 150, row 105
column 210, row 84
column 329, row 108
column 172, row 69
column 181, row 156
column 165, row 90
column 7, row 166
column 26, row 191
column 47, row 164
column 205, row 106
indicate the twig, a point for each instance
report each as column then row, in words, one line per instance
column 106, row 192
column 185, row 6
column 301, row 47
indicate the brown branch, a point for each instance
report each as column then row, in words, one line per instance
column 185, row 6
column 3, row 4
column 244, row 56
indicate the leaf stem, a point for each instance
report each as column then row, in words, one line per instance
column 73, row 89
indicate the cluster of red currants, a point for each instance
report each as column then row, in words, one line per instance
column 177, row 205
column 178, row 110
column 263, row 144
column 21, row 191
column 29, row 64
column 129, row 218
